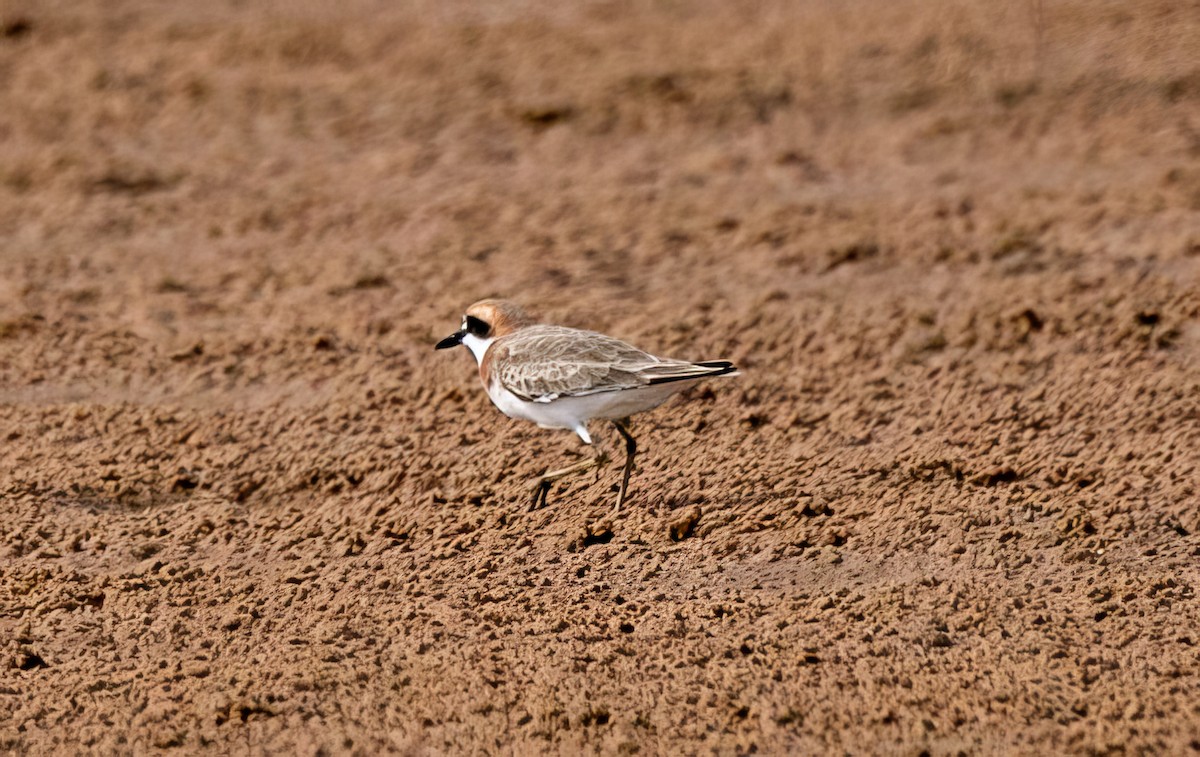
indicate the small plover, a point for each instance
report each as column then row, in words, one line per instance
column 560, row 377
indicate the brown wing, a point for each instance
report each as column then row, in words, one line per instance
column 543, row 363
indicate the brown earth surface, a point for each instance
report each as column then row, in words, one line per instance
column 949, row 507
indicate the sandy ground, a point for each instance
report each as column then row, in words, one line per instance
column 949, row 507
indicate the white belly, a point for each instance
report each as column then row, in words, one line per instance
column 575, row 412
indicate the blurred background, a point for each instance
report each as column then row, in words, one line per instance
column 452, row 150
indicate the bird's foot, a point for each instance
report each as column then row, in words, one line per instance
column 546, row 480
column 540, row 491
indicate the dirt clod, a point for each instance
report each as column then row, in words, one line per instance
column 681, row 527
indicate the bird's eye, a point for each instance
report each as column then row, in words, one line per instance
column 477, row 327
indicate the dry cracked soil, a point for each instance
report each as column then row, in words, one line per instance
column 949, row 507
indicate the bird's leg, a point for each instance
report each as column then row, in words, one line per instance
column 547, row 479
column 630, row 451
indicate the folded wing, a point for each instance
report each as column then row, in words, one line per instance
column 543, row 363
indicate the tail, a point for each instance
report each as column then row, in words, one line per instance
column 691, row 371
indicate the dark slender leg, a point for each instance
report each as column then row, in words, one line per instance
column 547, row 479
column 630, row 451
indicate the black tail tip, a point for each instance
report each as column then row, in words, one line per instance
column 724, row 366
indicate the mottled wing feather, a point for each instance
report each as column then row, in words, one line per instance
column 543, row 363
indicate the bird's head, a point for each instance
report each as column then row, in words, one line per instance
column 484, row 322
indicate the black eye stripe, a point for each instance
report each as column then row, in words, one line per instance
column 477, row 327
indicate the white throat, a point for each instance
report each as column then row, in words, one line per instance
column 477, row 345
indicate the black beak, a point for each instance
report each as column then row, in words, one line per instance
column 453, row 340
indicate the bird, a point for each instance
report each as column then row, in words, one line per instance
column 562, row 378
